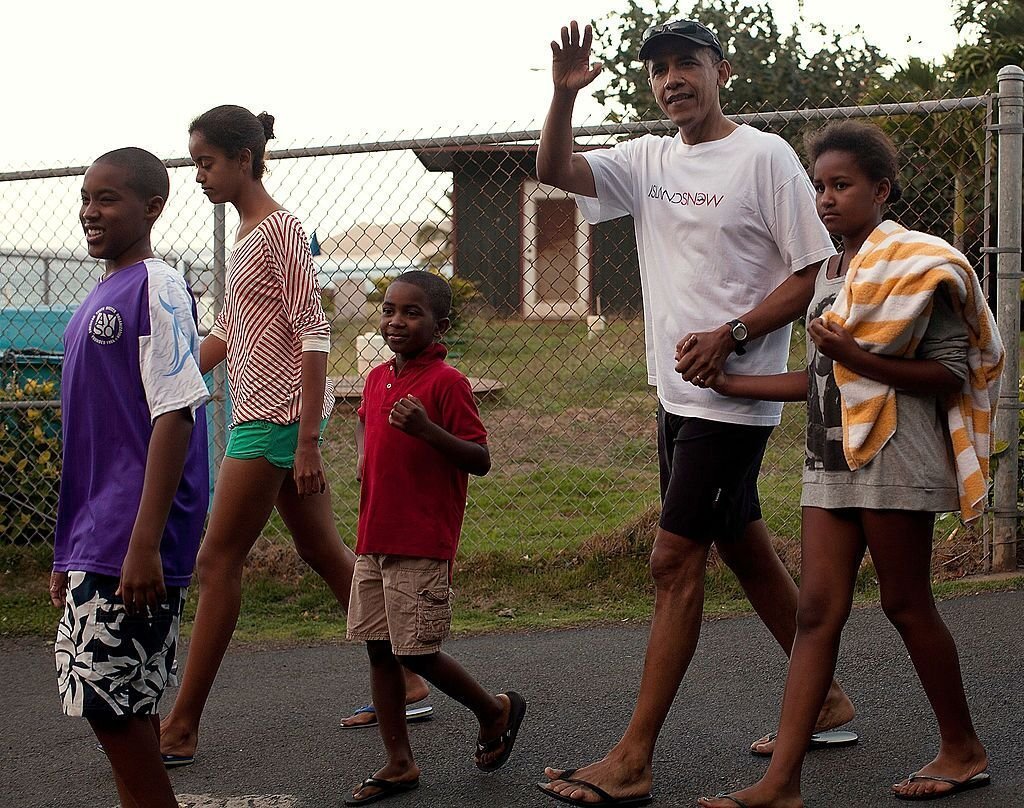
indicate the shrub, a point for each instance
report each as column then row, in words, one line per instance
column 29, row 464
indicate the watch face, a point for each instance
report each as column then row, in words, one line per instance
column 739, row 332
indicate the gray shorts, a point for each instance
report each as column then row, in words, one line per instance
column 110, row 664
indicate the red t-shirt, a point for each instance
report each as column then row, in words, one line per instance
column 412, row 498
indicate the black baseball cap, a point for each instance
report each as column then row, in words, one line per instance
column 690, row 30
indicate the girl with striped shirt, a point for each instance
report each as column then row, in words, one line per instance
column 275, row 337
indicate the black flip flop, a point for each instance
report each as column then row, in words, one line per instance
column 979, row 780
column 721, row 795
column 604, row 798
column 169, row 761
column 507, row 739
column 388, row 788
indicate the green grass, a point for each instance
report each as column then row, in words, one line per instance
column 498, row 593
column 559, row 531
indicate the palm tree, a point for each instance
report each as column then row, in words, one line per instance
column 953, row 142
column 999, row 29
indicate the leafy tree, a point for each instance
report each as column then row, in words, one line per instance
column 944, row 152
column 997, row 30
column 769, row 69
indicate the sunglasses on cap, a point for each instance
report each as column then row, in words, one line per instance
column 685, row 29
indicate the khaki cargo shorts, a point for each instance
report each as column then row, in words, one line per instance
column 405, row 600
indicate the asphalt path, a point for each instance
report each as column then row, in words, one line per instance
column 271, row 737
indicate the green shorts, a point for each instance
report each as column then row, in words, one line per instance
column 274, row 442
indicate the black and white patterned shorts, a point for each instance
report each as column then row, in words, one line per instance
column 110, row 664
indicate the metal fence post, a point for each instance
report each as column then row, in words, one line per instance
column 220, row 382
column 1010, row 130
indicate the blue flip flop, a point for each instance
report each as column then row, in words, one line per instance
column 413, row 712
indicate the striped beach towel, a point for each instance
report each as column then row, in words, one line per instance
column 885, row 303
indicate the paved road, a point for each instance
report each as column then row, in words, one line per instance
column 271, row 738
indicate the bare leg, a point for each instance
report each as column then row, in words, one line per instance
column 310, row 520
column 901, row 547
column 242, row 503
column 388, row 687
column 133, row 748
column 677, row 566
column 451, row 678
column 773, row 594
column 832, row 549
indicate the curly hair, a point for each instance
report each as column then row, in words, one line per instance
column 869, row 146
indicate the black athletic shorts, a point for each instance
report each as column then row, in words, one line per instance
column 708, row 476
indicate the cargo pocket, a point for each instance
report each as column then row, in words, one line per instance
column 433, row 615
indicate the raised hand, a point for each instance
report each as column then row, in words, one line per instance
column 571, row 68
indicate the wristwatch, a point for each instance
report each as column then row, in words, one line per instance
column 739, row 332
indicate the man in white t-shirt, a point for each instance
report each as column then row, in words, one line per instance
column 724, row 215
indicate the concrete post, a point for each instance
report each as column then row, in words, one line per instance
column 1010, row 131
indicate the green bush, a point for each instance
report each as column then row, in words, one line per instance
column 29, row 464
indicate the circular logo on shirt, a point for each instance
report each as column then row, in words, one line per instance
column 106, row 326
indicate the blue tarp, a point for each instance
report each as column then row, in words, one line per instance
column 39, row 328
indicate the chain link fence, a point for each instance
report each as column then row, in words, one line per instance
column 548, row 315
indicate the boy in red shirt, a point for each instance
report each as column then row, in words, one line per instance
column 418, row 438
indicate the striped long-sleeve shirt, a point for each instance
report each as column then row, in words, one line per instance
column 272, row 314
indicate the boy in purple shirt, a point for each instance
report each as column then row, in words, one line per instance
column 135, row 484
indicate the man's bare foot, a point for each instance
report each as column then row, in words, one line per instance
column 612, row 776
column 753, row 797
column 946, row 773
column 835, row 712
column 177, row 740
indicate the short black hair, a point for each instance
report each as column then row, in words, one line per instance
column 436, row 288
column 868, row 145
column 147, row 175
column 232, row 128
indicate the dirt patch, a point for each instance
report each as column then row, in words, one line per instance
column 521, row 439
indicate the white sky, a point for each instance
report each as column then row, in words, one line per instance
column 84, row 78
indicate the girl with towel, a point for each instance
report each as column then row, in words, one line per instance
column 903, row 363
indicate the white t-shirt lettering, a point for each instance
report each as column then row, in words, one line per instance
column 718, row 226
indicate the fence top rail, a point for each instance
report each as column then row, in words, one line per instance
column 533, row 135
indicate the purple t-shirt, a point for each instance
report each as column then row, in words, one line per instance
column 131, row 353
